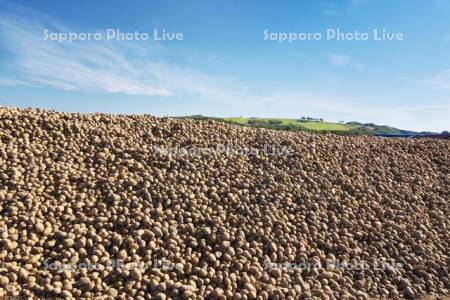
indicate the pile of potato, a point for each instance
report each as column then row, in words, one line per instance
column 90, row 207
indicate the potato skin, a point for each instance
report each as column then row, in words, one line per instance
column 137, row 206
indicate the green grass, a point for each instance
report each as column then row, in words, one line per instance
column 243, row 121
column 312, row 125
column 324, row 126
column 349, row 128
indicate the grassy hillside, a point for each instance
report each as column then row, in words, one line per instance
column 312, row 125
column 317, row 126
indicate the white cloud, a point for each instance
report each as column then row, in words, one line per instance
column 88, row 65
column 439, row 81
column 11, row 82
column 132, row 69
column 215, row 58
column 425, row 117
column 106, row 66
column 340, row 60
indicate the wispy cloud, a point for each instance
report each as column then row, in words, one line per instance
column 97, row 65
column 439, row 81
column 340, row 60
column 12, row 82
column 413, row 117
column 85, row 65
column 131, row 68
column 215, row 58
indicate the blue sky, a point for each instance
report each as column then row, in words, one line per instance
column 225, row 67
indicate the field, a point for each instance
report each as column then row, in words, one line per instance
column 310, row 125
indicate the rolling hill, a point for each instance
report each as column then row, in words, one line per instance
column 311, row 125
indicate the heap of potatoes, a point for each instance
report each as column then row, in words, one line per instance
column 79, row 192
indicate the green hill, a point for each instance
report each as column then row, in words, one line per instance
column 308, row 124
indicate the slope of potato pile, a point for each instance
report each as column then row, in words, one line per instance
column 80, row 193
